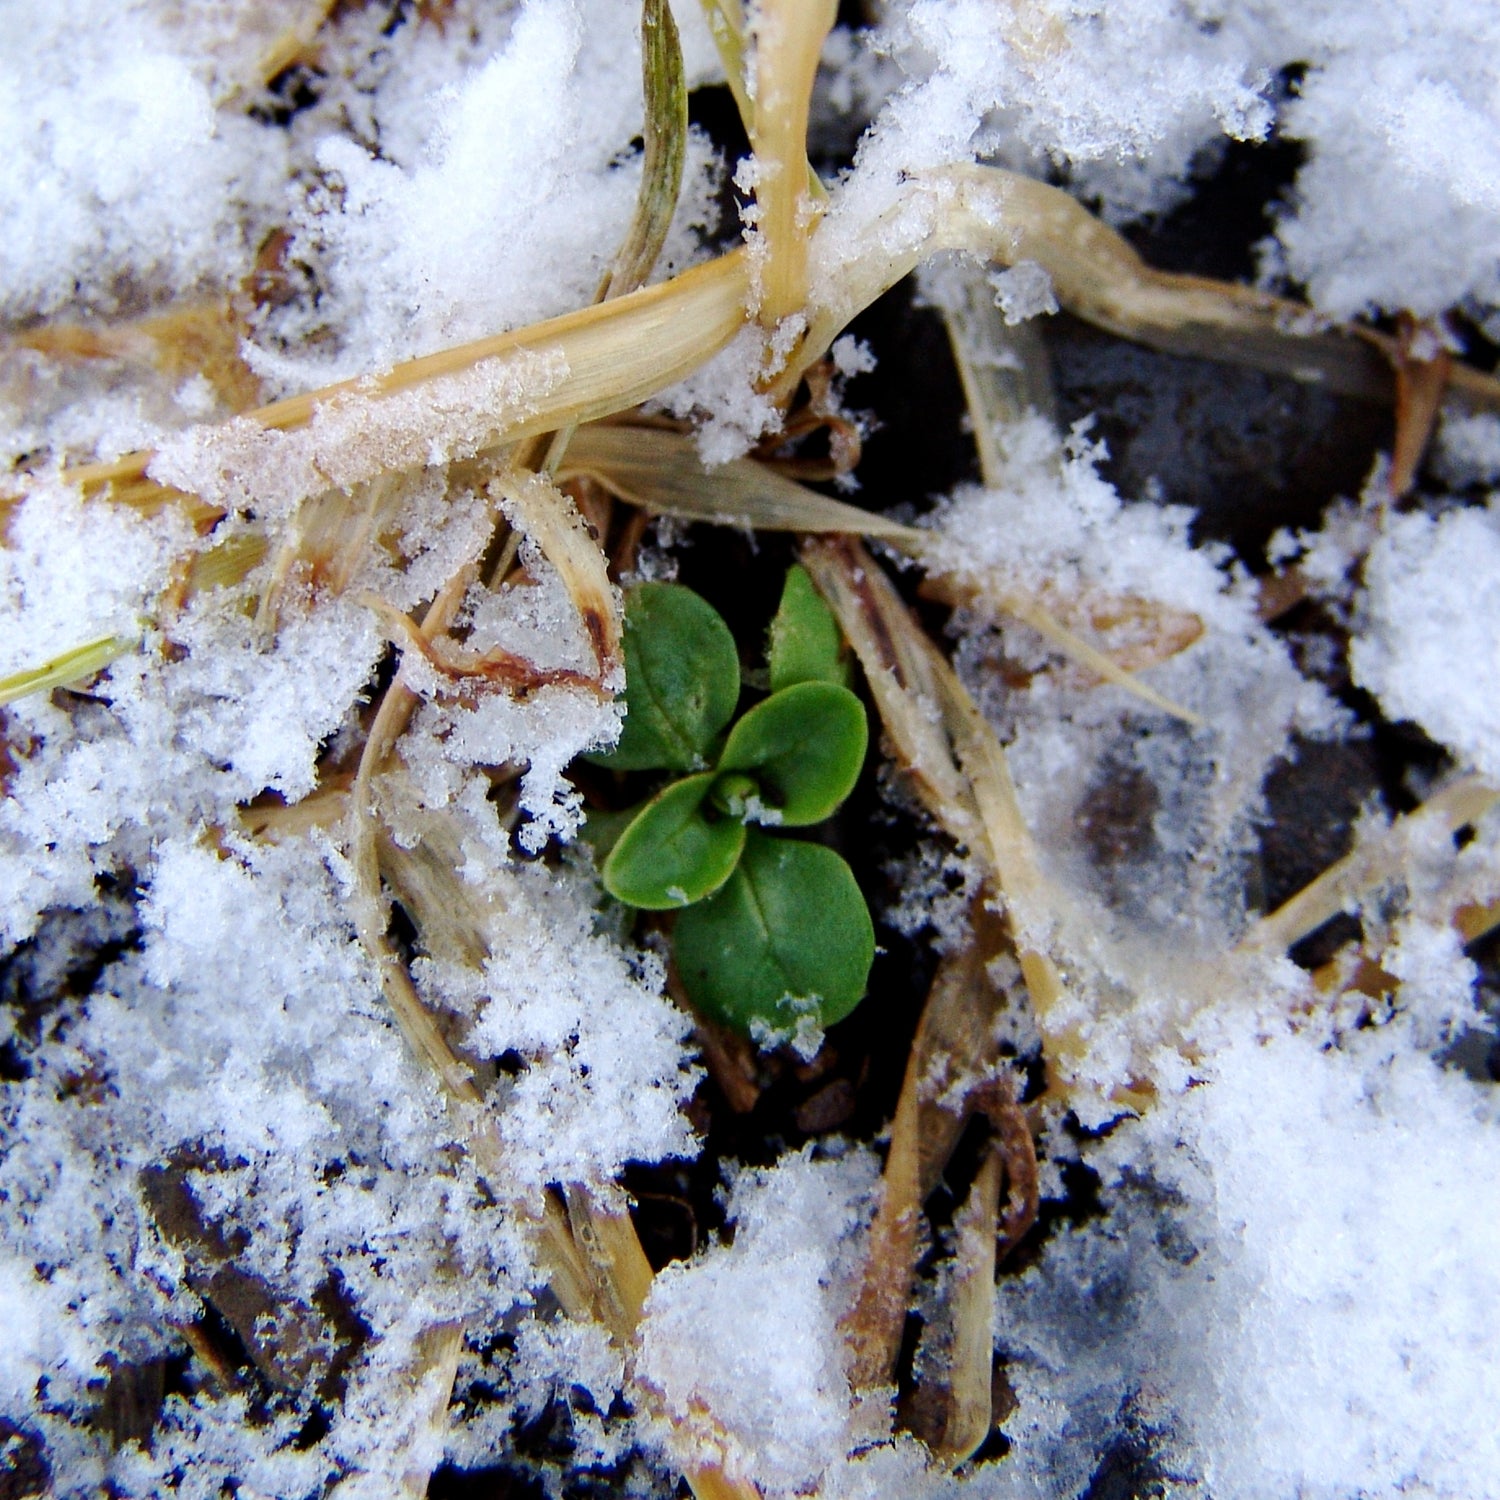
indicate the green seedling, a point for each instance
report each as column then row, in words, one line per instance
column 775, row 928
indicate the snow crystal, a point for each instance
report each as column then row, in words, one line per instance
column 724, row 393
column 508, row 205
column 1290, row 1288
column 72, row 573
column 1023, row 291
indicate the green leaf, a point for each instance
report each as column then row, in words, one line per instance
column 806, row 645
column 672, row 854
column 805, row 745
column 788, row 936
column 682, row 680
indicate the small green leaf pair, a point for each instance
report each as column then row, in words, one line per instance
column 775, row 928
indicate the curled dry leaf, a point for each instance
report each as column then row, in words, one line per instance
column 474, row 673
column 544, row 513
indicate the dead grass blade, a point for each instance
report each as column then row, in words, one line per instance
column 1004, row 368
column 659, row 469
column 330, row 537
column 1096, row 275
column 447, row 912
column 951, row 1408
column 1029, row 901
column 618, row 1268
column 1035, row 614
column 1422, row 376
column 600, row 1272
column 593, row 1257
column 196, row 339
column 967, row 1361
column 369, row 908
column 1152, row 632
column 726, row 24
column 606, row 359
column 77, row 665
column 433, row 1370
column 538, row 508
column 611, row 357
column 228, row 563
column 295, row 43
column 665, row 151
column 665, row 132
column 1006, row 377
column 1477, row 919
column 955, row 762
column 901, row 679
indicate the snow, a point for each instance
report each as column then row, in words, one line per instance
column 1293, row 1278
column 1427, row 643
column 1289, row 1287
column 749, row 1332
column 1468, row 448
column 120, row 169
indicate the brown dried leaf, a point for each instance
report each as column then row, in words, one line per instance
column 952, row 1053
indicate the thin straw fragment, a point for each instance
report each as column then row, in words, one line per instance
column 1375, row 860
